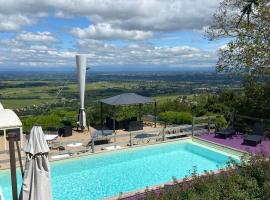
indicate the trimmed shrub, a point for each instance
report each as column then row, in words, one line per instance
column 176, row 117
column 248, row 180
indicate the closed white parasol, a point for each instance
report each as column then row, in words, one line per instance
column 37, row 179
column 81, row 61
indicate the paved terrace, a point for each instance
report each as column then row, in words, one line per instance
column 237, row 142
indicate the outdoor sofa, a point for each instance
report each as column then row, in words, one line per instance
column 225, row 133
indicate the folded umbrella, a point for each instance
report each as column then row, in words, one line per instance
column 37, row 180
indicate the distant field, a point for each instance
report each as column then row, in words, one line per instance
column 18, row 91
column 22, row 97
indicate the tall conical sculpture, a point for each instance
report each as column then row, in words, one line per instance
column 81, row 70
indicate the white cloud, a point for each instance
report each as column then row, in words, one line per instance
column 144, row 15
column 140, row 54
column 13, row 22
column 107, row 32
column 22, row 53
column 147, row 15
column 131, row 21
column 36, row 37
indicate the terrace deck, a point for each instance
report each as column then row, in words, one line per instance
column 237, row 142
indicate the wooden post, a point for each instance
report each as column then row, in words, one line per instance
column 11, row 138
column 163, row 134
column 193, row 121
column 20, row 157
column 93, row 144
column 130, row 140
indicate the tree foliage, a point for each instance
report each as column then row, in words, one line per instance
column 247, row 25
column 176, row 117
column 55, row 119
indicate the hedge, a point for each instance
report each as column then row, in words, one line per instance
column 176, row 117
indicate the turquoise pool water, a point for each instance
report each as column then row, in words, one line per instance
column 107, row 174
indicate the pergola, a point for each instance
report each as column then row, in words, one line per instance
column 124, row 100
column 9, row 120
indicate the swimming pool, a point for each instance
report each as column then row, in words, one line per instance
column 108, row 174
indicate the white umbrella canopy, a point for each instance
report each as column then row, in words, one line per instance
column 37, row 179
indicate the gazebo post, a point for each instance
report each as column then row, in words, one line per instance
column 101, row 115
column 114, row 119
column 114, row 110
column 140, row 112
column 155, row 111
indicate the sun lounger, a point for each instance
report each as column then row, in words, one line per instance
column 256, row 136
column 59, row 157
column 253, row 140
column 50, row 138
column 227, row 132
column 76, row 144
column 110, row 148
column 100, row 133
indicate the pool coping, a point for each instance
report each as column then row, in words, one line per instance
column 214, row 145
column 218, row 146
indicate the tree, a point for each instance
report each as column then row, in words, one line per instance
column 248, row 50
column 247, row 10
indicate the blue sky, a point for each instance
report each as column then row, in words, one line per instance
column 151, row 33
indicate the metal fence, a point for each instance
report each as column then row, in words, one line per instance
column 126, row 140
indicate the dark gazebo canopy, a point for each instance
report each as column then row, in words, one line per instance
column 126, row 99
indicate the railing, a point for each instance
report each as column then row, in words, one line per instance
column 126, row 140
column 206, row 124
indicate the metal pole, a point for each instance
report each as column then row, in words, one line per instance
column 11, row 138
column 114, row 110
column 93, row 144
column 130, row 139
column 155, row 113
column 114, row 119
column 208, row 127
column 101, row 115
column 193, row 121
column 140, row 112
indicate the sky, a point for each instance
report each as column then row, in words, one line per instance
column 128, row 33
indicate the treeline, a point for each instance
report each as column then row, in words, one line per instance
column 22, row 85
